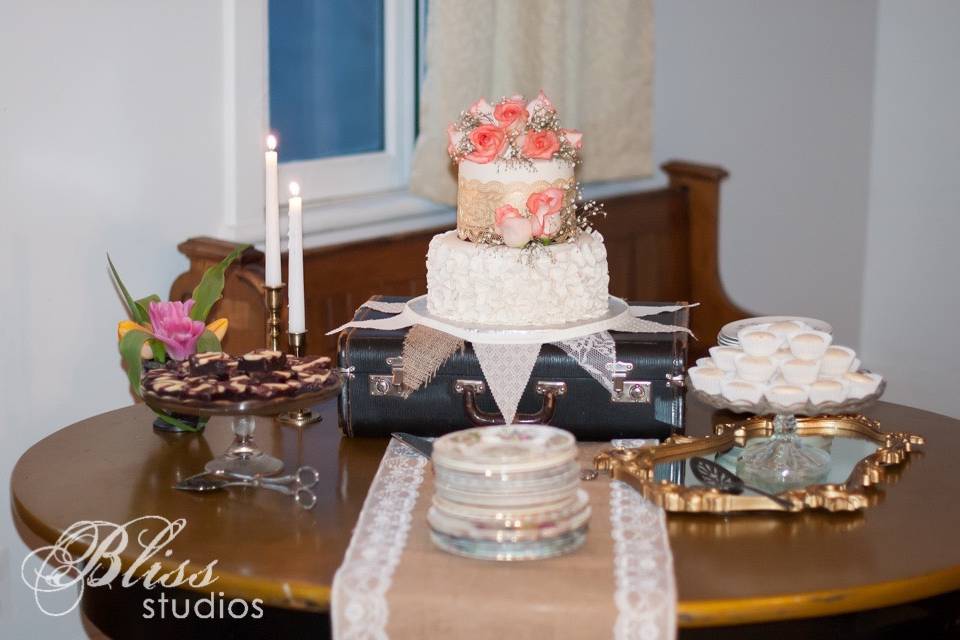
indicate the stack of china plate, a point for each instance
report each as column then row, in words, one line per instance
column 728, row 333
column 508, row 493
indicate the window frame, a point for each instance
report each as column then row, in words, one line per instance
column 327, row 219
column 365, row 173
column 374, row 185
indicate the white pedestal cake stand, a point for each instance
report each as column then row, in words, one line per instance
column 784, row 460
column 617, row 312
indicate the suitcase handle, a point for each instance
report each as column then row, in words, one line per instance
column 469, row 389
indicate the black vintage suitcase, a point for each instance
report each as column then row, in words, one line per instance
column 651, row 404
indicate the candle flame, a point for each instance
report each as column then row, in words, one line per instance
column 272, row 142
column 294, row 189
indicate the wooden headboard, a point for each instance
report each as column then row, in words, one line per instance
column 662, row 246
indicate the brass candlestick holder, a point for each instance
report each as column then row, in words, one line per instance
column 274, row 296
column 301, row 417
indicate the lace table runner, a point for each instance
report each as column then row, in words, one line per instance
column 394, row 583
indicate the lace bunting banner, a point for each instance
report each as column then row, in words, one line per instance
column 385, row 307
column 507, row 367
column 593, row 353
column 424, row 352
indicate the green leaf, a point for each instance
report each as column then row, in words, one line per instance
column 130, row 346
column 208, row 342
column 144, row 303
column 133, row 308
column 180, row 424
column 159, row 350
column 211, row 286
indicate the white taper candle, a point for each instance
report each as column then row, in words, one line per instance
column 272, row 209
column 297, row 317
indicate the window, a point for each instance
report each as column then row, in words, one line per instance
column 342, row 87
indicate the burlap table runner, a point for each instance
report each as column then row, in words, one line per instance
column 394, row 583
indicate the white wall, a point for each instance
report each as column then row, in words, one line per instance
column 911, row 298
column 779, row 92
column 110, row 122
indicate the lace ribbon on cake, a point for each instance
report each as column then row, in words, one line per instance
column 645, row 587
column 358, row 606
column 477, row 201
column 507, row 368
column 593, row 353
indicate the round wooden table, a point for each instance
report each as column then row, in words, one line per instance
column 730, row 570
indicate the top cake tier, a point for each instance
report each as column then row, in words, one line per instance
column 485, row 188
column 516, row 184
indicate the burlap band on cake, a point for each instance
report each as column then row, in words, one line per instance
column 477, row 202
column 620, row 584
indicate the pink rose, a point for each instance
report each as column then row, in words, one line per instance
column 503, row 212
column 481, row 108
column 540, row 145
column 545, row 206
column 512, row 226
column 516, row 232
column 487, row 141
column 573, row 137
column 546, row 201
column 511, row 113
column 540, row 102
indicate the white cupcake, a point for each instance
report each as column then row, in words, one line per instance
column 754, row 368
column 781, row 355
column 741, row 391
column 756, row 342
column 836, row 361
column 786, row 329
column 862, row 384
column 723, row 357
column 706, row 363
column 707, row 379
column 810, row 345
column 799, row 371
column 823, row 391
column 786, row 395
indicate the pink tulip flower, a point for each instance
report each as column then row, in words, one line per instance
column 172, row 325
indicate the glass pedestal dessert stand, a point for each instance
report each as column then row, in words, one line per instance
column 243, row 457
column 783, row 461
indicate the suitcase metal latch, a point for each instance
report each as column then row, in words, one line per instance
column 631, row 391
column 388, row 385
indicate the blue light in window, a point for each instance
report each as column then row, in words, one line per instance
column 326, row 77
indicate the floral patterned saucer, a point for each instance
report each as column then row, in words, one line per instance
column 509, row 448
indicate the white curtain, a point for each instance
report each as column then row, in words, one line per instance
column 592, row 58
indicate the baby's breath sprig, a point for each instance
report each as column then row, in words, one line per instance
column 567, row 152
column 544, row 119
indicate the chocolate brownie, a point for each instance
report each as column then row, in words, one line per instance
column 262, row 360
column 261, row 374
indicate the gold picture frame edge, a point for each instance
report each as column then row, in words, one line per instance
column 635, row 466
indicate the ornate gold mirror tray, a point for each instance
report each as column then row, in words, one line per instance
column 861, row 456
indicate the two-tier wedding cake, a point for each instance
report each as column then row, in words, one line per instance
column 522, row 253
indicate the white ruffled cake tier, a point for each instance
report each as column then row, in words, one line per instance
column 499, row 285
